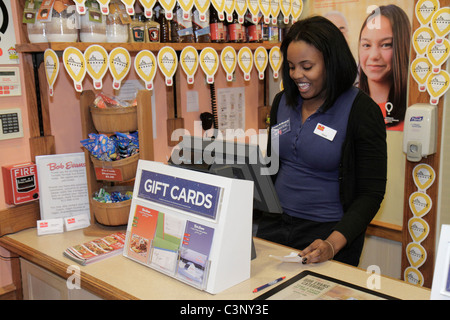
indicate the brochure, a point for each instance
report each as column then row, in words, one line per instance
column 194, row 252
column 97, row 249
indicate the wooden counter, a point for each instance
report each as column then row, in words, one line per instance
column 121, row 278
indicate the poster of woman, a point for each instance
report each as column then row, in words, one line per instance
column 379, row 37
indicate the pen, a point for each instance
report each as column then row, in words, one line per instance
column 269, row 284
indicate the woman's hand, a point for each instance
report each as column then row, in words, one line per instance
column 323, row 250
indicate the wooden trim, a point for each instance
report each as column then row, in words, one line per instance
column 88, row 282
column 385, row 230
column 19, row 217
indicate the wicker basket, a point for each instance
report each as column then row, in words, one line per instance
column 119, row 170
column 110, row 120
column 112, row 214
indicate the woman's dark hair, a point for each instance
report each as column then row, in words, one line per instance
column 401, row 30
column 340, row 65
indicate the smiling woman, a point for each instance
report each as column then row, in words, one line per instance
column 331, row 143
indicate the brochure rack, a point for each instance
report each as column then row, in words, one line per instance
column 192, row 226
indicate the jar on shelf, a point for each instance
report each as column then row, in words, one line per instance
column 202, row 32
column 93, row 24
column 63, row 25
column 152, row 30
column 217, row 28
column 182, row 30
column 137, row 28
column 116, row 29
column 37, row 32
column 164, row 25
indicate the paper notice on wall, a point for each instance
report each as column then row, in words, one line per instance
column 64, row 190
column 231, row 109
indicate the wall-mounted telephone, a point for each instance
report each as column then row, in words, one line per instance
column 420, row 131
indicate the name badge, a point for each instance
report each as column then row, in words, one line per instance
column 281, row 128
column 325, row 132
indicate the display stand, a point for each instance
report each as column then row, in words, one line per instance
column 192, row 226
column 145, row 128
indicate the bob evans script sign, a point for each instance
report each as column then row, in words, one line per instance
column 187, row 195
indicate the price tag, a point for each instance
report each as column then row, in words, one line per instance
column 261, row 59
column 51, row 63
column 119, row 65
column 96, row 58
column 167, row 63
column 145, row 66
column 77, row 222
column 228, row 59
column 148, row 7
column 296, row 10
column 286, row 7
column 245, row 61
column 50, row 226
column 275, row 60
column 129, row 4
column 189, row 62
column 75, row 66
column 209, row 62
column 81, row 8
column 202, row 8
column 104, row 6
column 420, row 71
column 229, row 9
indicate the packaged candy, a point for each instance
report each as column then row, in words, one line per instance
column 116, row 196
column 115, row 147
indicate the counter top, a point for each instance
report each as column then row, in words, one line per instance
column 121, row 278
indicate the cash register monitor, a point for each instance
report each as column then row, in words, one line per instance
column 229, row 159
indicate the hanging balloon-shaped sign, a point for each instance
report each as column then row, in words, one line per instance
column 286, row 7
column 261, row 58
column 420, row 203
column 186, row 6
column 423, row 176
column 275, row 60
column 438, row 53
column 421, row 70
column 104, row 6
column 421, row 39
column 119, row 65
column 229, row 9
column 81, row 8
column 189, row 62
column 296, row 10
column 240, row 7
column 209, row 62
column 228, row 60
column 413, row 276
column 440, row 23
column 51, row 63
column 168, row 6
column 437, row 86
column 202, row 7
column 253, row 8
column 129, row 4
column 167, row 63
column 148, row 7
column 425, row 10
column 245, row 61
column 219, row 5
column 75, row 66
column 145, row 66
column 418, row 229
column 274, row 10
column 264, row 6
column 416, row 254
column 96, row 58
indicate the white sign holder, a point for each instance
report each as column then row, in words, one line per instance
column 193, row 226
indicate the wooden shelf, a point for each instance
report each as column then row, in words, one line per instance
column 135, row 47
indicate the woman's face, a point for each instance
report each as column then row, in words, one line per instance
column 307, row 70
column 376, row 50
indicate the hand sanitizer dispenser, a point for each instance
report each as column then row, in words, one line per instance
column 420, row 131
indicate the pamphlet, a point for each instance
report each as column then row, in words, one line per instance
column 97, row 249
column 142, row 232
column 194, row 252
